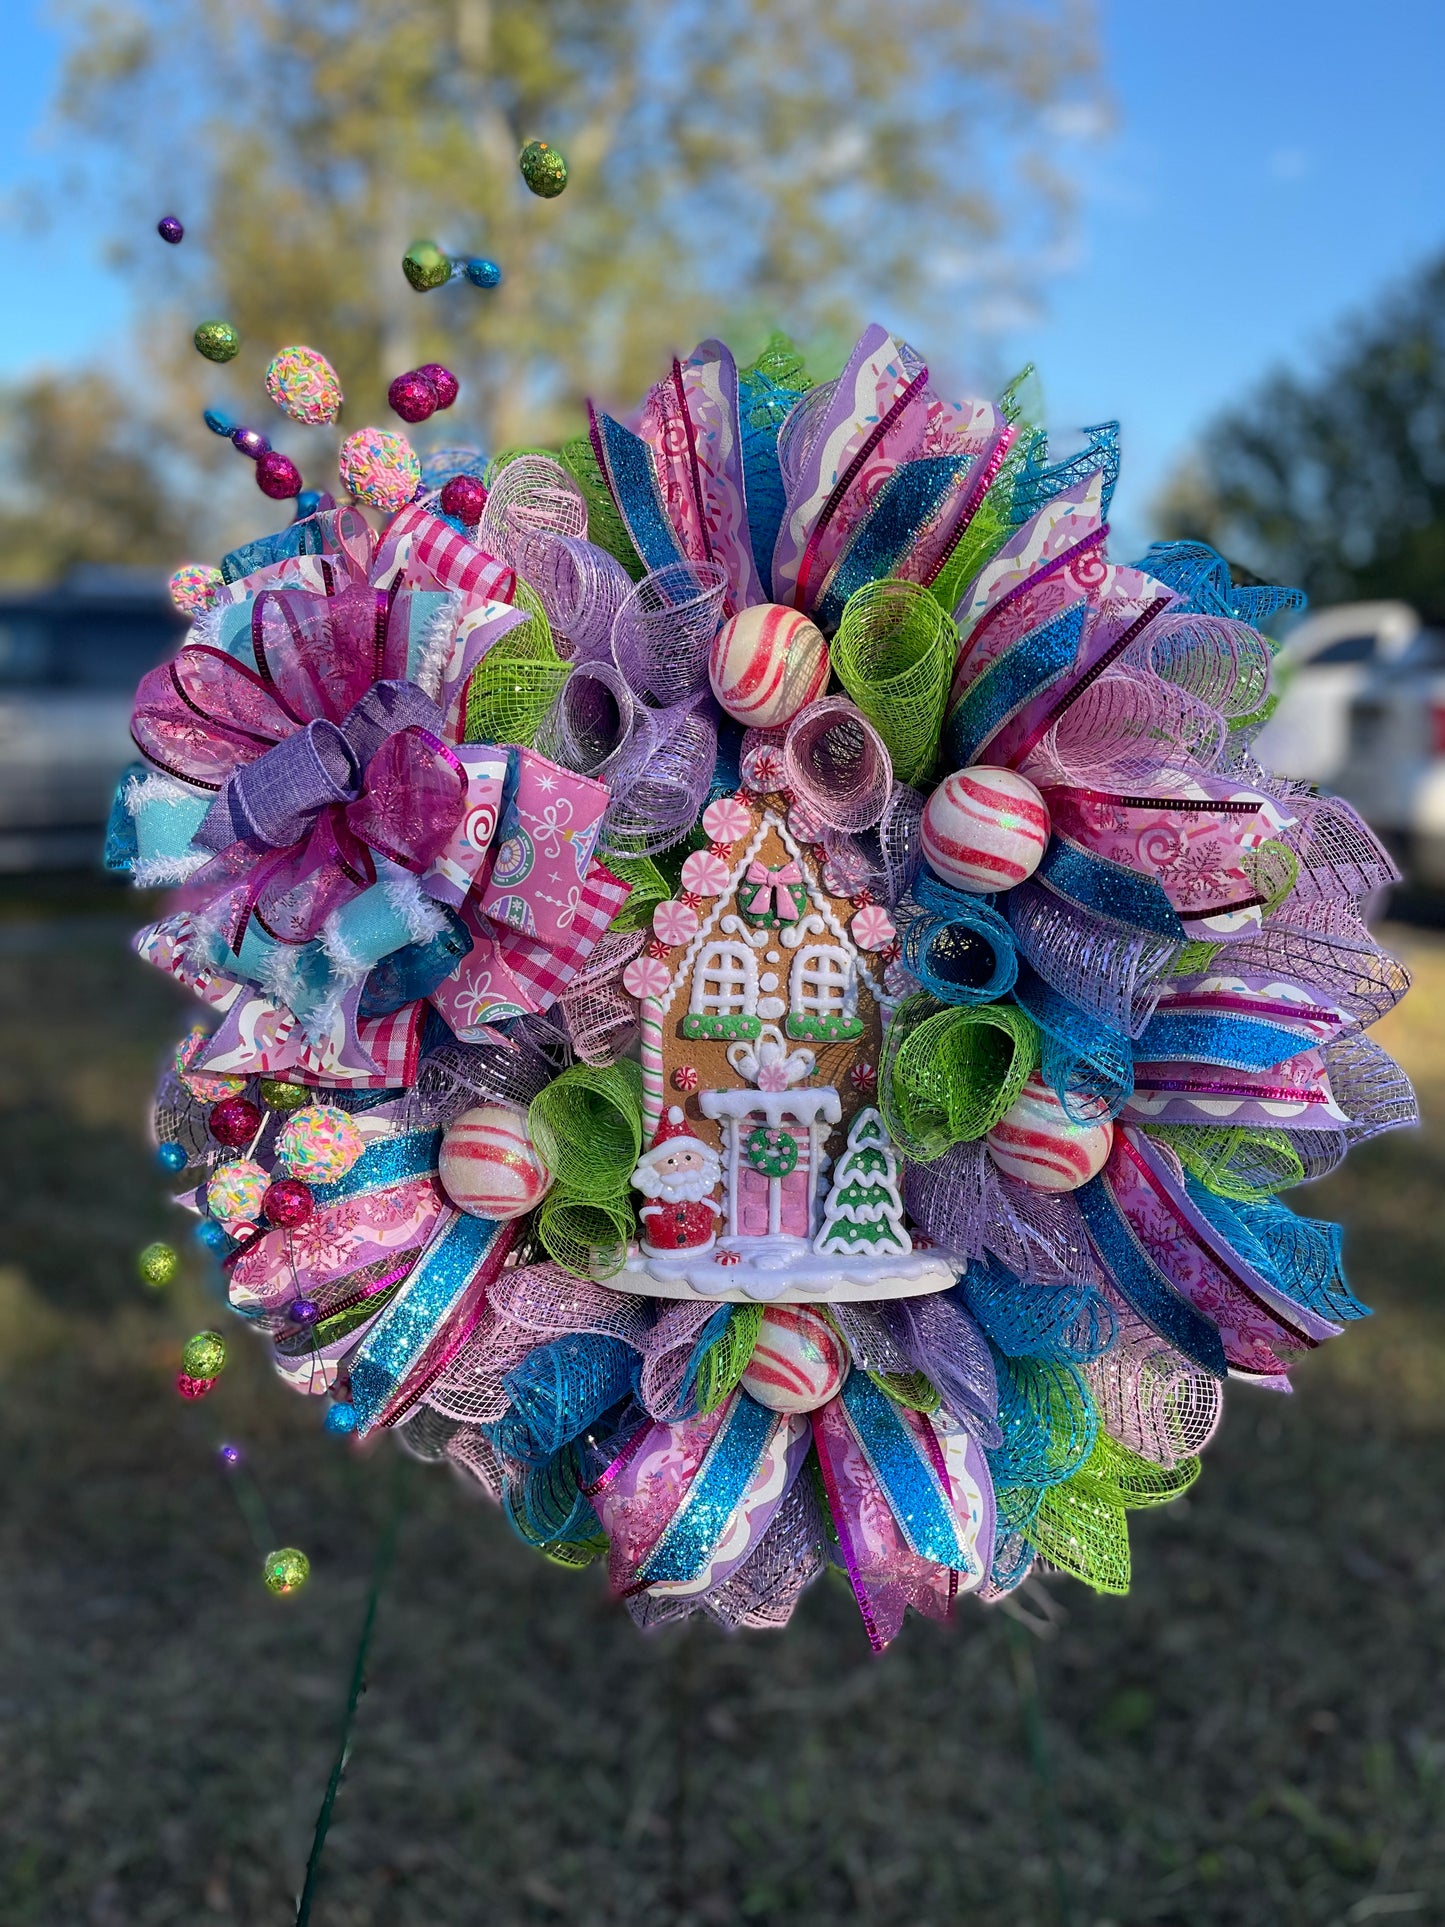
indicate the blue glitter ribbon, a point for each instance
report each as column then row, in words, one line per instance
column 412, row 1320
column 1011, row 682
column 695, row 1530
column 904, row 1470
column 1143, row 1286
column 1218, row 1037
column 628, row 465
column 1109, row 889
column 393, row 1160
column 906, row 503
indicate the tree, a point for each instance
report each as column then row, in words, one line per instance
column 863, row 1212
column 735, row 163
column 85, row 480
column 1337, row 482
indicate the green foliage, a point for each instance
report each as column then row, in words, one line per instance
column 1337, row 481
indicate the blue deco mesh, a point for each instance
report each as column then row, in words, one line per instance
column 1065, row 1324
column 1301, row 1257
column 1048, row 1421
column 1200, row 576
column 545, row 1505
column 767, row 393
column 1039, row 480
column 558, row 1390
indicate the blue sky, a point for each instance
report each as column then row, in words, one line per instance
column 1273, row 166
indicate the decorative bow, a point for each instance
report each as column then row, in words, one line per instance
column 775, row 893
column 684, row 1504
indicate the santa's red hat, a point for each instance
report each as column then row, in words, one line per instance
column 674, row 1124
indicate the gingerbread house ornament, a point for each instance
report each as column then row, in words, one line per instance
column 761, row 1009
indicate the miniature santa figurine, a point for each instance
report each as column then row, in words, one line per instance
column 678, row 1177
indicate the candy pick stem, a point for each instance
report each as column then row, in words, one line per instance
column 385, row 1550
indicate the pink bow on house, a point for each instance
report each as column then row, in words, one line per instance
column 768, row 887
column 318, row 758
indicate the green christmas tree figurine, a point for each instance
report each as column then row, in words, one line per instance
column 863, row 1216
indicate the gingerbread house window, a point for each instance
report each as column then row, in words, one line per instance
column 823, row 995
column 724, row 994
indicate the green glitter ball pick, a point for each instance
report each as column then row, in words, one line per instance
column 157, row 1265
column 425, row 266
column 217, row 341
column 286, row 1570
column 204, row 1356
column 544, row 169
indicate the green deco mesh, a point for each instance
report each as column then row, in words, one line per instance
column 949, row 1073
column 605, row 526
column 894, row 654
column 1080, row 1526
column 589, row 1240
column 516, row 682
column 913, row 1389
column 726, row 1359
column 649, row 888
column 587, row 1129
column 1239, row 1161
column 992, row 521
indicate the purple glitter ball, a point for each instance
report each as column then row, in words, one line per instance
column 465, row 498
column 251, row 442
column 303, row 1311
column 229, row 1454
column 278, row 476
column 169, row 229
column 443, row 380
column 413, row 396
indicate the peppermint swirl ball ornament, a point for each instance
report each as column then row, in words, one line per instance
column 319, row 1145
column 489, row 1167
column 766, row 663
column 1037, row 1142
column 380, row 468
column 985, row 829
column 304, row 385
column 799, row 1361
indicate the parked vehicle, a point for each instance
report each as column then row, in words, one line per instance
column 70, row 658
column 1325, row 662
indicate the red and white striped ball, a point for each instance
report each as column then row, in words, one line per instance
column 1037, row 1143
column 799, row 1361
column 766, row 664
column 488, row 1165
column 985, row 829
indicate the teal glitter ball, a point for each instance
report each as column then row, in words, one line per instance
column 340, row 1420
column 171, row 1157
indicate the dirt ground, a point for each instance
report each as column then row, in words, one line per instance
column 1256, row 1735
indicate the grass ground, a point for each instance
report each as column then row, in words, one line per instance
column 1256, row 1735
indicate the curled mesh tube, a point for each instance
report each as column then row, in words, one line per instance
column 1369, row 1087
column 589, row 1239
column 1338, row 855
column 1151, row 1398
column 592, row 721
column 1114, row 973
column 949, row 1074
column 658, row 792
column 894, row 654
column 949, row 1198
column 601, row 1018
column 1124, row 726
column 582, row 587
column 531, row 500
column 1218, row 659
column 837, row 764
column 587, row 1128
column 663, row 629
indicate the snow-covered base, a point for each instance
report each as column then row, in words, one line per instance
column 785, row 1271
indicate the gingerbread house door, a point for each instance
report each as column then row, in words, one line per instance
column 772, row 1205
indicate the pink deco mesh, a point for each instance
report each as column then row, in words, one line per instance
column 531, row 500
column 1151, row 1398
column 600, row 1016
column 1222, row 663
column 1125, row 726
column 658, row 789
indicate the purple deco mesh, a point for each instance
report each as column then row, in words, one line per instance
column 663, row 629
